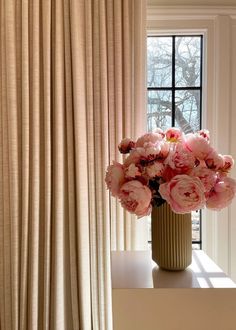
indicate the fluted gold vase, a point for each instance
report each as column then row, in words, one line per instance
column 171, row 238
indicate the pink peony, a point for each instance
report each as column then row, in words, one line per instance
column 148, row 138
column 222, row 194
column 205, row 134
column 187, row 170
column 198, row 145
column 159, row 131
column 126, row 145
column 169, row 173
column 149, row 153
column 155, row 169
column 136, row 198
column 183, row 193
column 180, row 159
column 132, row 171
column 115, row 178
column 207, row 176
column 214, row 160
column 164, row 148
column 228, row 163
column 133, row 158
column 173, row 134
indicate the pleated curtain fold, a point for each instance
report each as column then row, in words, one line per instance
column 72, row 84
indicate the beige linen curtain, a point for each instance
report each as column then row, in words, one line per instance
column 71, row 86
column 127, row 106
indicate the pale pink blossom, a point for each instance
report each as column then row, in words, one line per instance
column 152, row 138
column 132, row 171
column 126, row 145
column 198, row 145
column 173, row 134
column 222, row 194
column 164, row 148
column 155, row 169
column 159, row 131
column 183, row 193
column 133, row 158
column 115, row 178
column 214, row 160
column 206, row 175
column 228, row 163
column 136, row 198
column 152, row 152
column 149, row 153
column 143, row 155
column 180, row 159
column 205, row 134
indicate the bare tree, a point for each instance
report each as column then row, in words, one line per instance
column 187, row 102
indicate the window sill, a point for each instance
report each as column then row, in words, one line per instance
column 144, row 297
column 135, row 269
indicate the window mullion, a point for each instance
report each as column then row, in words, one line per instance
column 173, row 81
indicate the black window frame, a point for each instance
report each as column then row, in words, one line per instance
column 174, row 88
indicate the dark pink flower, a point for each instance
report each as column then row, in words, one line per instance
column 126, row 145
column 173, row 134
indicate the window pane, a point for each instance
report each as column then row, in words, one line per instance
column 159, row 110
column 159, row 61
column 196, row 226
column 187, row 61
column 196, row 246
column 187, row 110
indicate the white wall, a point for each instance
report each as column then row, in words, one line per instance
column 232, row 227
column 219, row 28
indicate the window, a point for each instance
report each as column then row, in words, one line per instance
column 174, row 84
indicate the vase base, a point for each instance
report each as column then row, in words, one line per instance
column 173, row 265
column 171, row 269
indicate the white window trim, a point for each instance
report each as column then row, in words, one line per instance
column 216, row 24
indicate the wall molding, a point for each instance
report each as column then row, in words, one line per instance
column 156, row 12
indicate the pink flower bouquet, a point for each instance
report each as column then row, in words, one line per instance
column 183, row 170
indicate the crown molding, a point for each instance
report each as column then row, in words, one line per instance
column 156, row 12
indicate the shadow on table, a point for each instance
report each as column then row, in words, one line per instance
column 173, row 279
